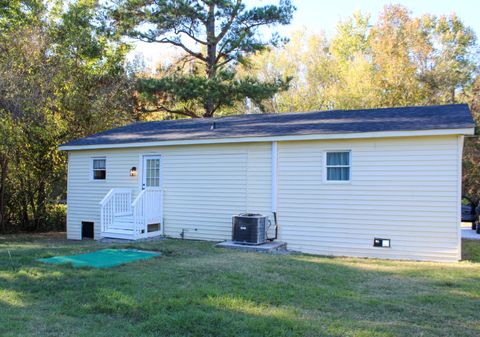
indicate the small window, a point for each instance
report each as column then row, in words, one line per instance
column 99, row 169
column 338, row 166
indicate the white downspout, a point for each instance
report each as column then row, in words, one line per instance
column 274, row 187
column 274, row 177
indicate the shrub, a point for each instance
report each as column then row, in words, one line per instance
column 56, row 218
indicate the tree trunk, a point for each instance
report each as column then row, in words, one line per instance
column 25, row 219
column 23, row 198
column 3, row 180
column 211, row 57
column 40, row 207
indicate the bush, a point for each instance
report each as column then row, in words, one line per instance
column 56, row 218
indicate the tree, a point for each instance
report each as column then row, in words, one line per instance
column 9, row 136
column 62, row 76
column 305, row 62
column 471, row 150
column 398, row 60
column 423, row 60
column 353, row 84
column 454, row 67
column 95, row 84
column 225, row 31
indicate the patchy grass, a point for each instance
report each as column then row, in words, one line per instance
column 471, row 250
column 197, row 290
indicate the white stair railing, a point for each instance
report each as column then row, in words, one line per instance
column 147, row 209
column 138, row 213
column 116, row 202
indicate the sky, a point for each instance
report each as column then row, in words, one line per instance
column 323, row 16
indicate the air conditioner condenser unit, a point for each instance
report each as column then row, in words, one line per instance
column 249, row 229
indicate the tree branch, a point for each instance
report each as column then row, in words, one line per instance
column 227, row 60
column 229, row 23
column 238, row 43
column 184, row 112
column 182, row 62
column 147, row 39
column 187, row 31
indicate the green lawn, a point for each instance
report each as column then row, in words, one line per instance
column 195, row 289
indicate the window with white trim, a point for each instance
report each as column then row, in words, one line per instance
column 338, row 166
column 99, row 168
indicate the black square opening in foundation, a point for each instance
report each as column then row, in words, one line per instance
column 87, row 230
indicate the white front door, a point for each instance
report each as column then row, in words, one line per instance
column 153, row 198
column 151, row 172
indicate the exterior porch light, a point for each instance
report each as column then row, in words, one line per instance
column 133, row 172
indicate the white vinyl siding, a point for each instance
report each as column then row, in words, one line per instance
column 204, row 186
column 404, row 189
column 410, row 198
column 84, row 193
column 204, row 191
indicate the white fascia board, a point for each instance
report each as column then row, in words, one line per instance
column 361, row 135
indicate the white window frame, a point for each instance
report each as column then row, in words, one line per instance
column 325, row 167
column 92, row 169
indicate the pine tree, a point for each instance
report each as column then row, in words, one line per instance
column 215, row 35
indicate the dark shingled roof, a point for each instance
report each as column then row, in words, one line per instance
column 453, row 116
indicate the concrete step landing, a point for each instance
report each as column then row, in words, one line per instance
column 269, row 247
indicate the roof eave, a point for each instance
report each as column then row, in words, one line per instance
column 353, row 135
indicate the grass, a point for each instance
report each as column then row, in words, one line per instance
column 471, row 250
column 194, row 289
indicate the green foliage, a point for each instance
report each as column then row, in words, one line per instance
column 351, row 38
column 223, row 90
column 471, row 152
column 398, row 60
column 56, row 218
column 63, row 77
column 226, row 31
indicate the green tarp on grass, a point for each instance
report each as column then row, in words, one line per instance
column 104, row 258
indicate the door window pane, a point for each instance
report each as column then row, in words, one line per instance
column 152, row 172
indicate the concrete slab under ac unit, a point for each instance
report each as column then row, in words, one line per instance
column 269, row 247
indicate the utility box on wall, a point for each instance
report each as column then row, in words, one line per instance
column 384, row 243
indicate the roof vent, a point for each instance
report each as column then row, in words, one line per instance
column 213, row 126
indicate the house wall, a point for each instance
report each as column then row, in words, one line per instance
column 403, row 189
column 203, row 186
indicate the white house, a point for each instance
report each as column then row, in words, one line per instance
column 337, row 180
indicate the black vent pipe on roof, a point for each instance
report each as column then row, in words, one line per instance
column 213, row 126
